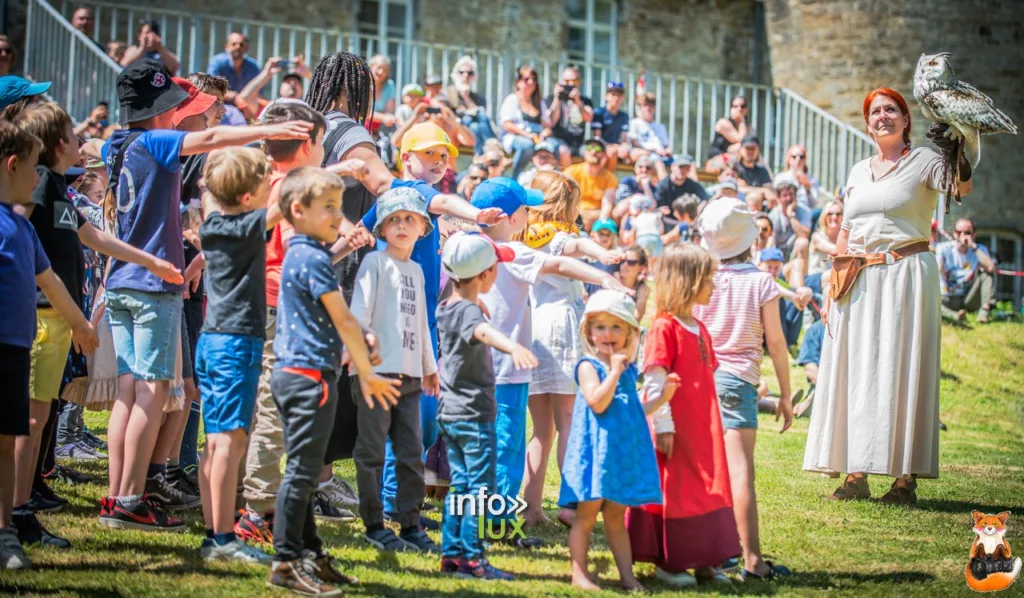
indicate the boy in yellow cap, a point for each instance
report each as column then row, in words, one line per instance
column 425, row 151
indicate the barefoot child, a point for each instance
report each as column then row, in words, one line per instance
column 467, row 409
column 229, row 350
column 692, row 526
column 609, row 459
column 312, row 325
column 742, row 315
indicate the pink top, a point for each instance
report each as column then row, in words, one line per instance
column 733, row 318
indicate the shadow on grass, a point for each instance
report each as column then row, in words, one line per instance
column 829, row 579
column 11, row 589
column 949, row 376
column 963, row 508
column 377, row 589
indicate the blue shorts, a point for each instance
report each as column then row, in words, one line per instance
column 737, row 401
column 228, row 367
column 146, row 328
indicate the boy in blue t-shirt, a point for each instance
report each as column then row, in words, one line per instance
column 23, row 267
column 426, row 149
column 313, row 322
column 144, row 311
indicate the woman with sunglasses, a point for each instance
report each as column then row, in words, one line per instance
column 823, row 241
column 796, row 166
column 522, row 119
column 470, row 107
column 475, row 174
column 729, row 133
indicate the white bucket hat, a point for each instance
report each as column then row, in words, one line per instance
column 615, row 303
column 727, row 228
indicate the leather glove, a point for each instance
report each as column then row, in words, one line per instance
column 950, row 148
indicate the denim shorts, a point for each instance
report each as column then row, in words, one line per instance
column 737, row 401
column 146, row 328
column 228, row 367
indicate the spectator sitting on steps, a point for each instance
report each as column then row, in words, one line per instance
column 611, row 123
column 967, row 271
column 151, row 45
column 569, row 111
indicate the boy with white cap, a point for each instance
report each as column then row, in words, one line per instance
column 467, row 410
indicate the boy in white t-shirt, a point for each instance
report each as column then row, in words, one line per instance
column 508, row 302
column 649, row 135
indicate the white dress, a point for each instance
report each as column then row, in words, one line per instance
column 876, row 408
column 557, row 309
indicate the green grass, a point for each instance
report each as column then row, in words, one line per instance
column 860, row 549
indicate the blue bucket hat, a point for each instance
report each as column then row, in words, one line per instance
column 401, row 199
column 13, row 88
column 769, row 254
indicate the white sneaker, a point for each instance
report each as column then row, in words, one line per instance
column 681, row 580
column 236, row 551
column 11, row 554
column 338, row 492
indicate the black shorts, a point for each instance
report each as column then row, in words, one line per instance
column 15, row 363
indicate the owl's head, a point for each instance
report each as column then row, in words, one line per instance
column 934, row 68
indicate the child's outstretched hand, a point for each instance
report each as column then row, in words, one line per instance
column 523, row 358
column 85, row 339
column 614, row 284
column 672, row 382
column 612, row 256
column 490, row 216
column 359, row 237
column 353, row 167
column 785, row 411
column 619, row 363
column 293, row 129
column 663, row 443
column 432, row 385
column 380, row 389
column 166, row 271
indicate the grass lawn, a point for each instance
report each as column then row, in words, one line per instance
column 860, row 549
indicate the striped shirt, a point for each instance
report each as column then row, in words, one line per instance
column 733, row 318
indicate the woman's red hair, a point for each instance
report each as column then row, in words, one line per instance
column 895, row 96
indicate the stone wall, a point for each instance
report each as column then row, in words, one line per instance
column 834, row 51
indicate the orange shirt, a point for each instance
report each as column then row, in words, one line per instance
column 592, row 188
column 275, row 247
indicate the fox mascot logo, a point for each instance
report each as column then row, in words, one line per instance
column 992, row 566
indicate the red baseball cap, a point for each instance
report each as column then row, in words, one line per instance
column 196, row 104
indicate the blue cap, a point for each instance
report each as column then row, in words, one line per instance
column 71, row 174
column 605, row 224
column 13, row 88
column 505, row 193
column 769, row 254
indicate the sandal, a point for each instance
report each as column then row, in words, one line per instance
column 853, row 488
column 900, row 495
column 773, row 572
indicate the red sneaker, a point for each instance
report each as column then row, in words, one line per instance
column 142, row 516
column 250, row 527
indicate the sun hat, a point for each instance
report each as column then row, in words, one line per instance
column 726, row 227
column 751, row 139
column 506, row 194
column 13, row 88
column 728, row 184
column 412, row 89
column 785, row 180
column 682, row 160
column 196, row 104
column 401, row 199
column 546, row 146
column 467, row 254
column 145, row 89
column 433, row 80
column 605, row 224
column 640, row 202
column 425, row 136
column 770, row 254
column 611, row 302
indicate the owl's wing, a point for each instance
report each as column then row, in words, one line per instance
column 963, row 103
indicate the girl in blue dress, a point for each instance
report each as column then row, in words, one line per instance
column 609, row 460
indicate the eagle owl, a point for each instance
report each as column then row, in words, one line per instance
column 946, row 99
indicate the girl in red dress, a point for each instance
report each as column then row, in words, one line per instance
column 693, row 527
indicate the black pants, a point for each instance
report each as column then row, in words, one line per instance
column 346, row 426
column 307, row 402
column 402, row 425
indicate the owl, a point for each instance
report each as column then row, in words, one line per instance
column 946, row 99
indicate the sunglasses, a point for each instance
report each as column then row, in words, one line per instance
column 798, row 156
column 597, row 149
column 964, row 232
column 631, row 262
column 528, row 79
column 570, row 82
column 763, row 229
column 835, row 214
column 467, row 73
column 739, row 105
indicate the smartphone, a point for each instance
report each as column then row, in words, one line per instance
column 433, row 110
column 284, row 63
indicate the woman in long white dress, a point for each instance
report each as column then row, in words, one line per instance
column 876, row 411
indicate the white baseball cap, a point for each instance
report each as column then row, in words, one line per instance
column 467, row 254
column 615, row 303
column 726, row 227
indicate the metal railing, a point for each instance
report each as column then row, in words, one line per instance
column 82, row 74
column 687, row 106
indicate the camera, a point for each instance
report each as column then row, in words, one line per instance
column 433, row 110
column 566, row 90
